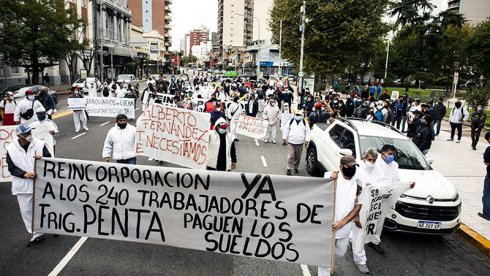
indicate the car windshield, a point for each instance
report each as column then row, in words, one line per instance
column 80, row 80
column 407, row 155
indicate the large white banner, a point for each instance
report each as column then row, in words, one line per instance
column 271, row 217
column 376, row 202
column 175, row 135
column 7, row 135
column 252, row 126
column 110, row 107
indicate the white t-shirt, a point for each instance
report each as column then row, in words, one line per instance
column 8, row 107
column 390, row 171
column 373, row 176
column 345, row 200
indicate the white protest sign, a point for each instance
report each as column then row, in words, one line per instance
column 77, row 103
column 376, row 202
column 271, row 217
column 252, row 126
column 166, row 99
column 110, row 107
column 175, row 135
column 7, row 135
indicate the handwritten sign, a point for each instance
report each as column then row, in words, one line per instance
column 376, row 201
column 110, row 107
column 175, row 135
column 267, row 217
column 252, row 126
column 7, row 135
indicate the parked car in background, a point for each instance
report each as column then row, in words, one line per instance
column 127, row 78
column 432, row 207
column 13, row 88
column 81, row 82
column 156, row 77
column 21, row 93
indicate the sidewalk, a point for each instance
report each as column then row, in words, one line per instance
column 61, row 89
column 465, row 169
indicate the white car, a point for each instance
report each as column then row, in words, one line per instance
column 433, row 206
column 82, row 83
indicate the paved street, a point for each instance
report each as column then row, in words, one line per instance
column 413, row 255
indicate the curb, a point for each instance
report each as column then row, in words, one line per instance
column 475, row 238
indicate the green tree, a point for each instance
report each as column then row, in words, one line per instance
column 36, row 33
column 337, row 35
column 190, row 59
column 479, row 48
column 411, row 12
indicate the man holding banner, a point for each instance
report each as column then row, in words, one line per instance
column 20, row 160
column 79, row 116
column 346, row 207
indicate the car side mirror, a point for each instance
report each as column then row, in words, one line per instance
column 429, row 160
column 345, row 152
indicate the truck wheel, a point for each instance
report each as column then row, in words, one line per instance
column 311, row 161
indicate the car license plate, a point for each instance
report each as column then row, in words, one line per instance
column 426, row 224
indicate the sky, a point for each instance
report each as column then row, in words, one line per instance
column 190, row 14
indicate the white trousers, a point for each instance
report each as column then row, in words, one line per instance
column 233, row 126
column 341, row 246
column 359, row 258
column 271, row 132
column 79, row 117
column 25, row 204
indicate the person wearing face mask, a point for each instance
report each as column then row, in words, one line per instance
column 346, row 206
column 458, row 115
column 315, row 115
column 296, row 134
column 7, row 109
column 25, row 109
column 478, row 119
column 234, row 112
column 285, row 115
column 44, row 130
column 389, row 167
column 252, row 106
column 120, row 142
column 399, row 111
column 216, row 113
column 423, row 135
column 46, row 100
column 79, row 116
column 221, row 151
column 439, row 114
column 20, row 160
column 272, row 115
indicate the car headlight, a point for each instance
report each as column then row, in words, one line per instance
column 403, row 196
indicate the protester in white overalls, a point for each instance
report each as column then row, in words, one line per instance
column 79, row 116
column 233, row 113
column 272, row 115
column 286, row 116
column 20, row 159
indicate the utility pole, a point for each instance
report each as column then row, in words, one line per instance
column 280, row 46
column 301, row 74
column 387, row 56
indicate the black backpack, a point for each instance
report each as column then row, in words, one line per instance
column 105, row 92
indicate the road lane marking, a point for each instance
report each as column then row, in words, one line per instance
column 257, row 142
column 263, row 161
column 137, row 109
column 68, row 257
column 61, row 114
column 103, row 124
column 79, row 135
column 306, row 271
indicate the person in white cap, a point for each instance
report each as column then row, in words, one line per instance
column 295, row 134
column 285, row 115
column 7, row 109
column 20, row 160
column 25, row 112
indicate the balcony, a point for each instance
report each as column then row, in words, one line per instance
column 168, row 17
column 167, row 44
column 168, row 2
column 167, row 9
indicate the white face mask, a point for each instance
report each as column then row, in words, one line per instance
column 31, row 97
column 222, row 130
column 218, row 109
column 369, row 165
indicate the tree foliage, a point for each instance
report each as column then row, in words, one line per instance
column 37, row 33
column 337, row 35
column 479, row 47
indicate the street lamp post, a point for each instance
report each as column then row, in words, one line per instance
column 301, row 73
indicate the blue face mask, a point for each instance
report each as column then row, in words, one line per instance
column 298, row 117
column 389, row 159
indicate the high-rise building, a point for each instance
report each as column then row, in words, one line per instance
column 153, row 15
column 235, row 23
column 198, row 36
column 475, row 11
